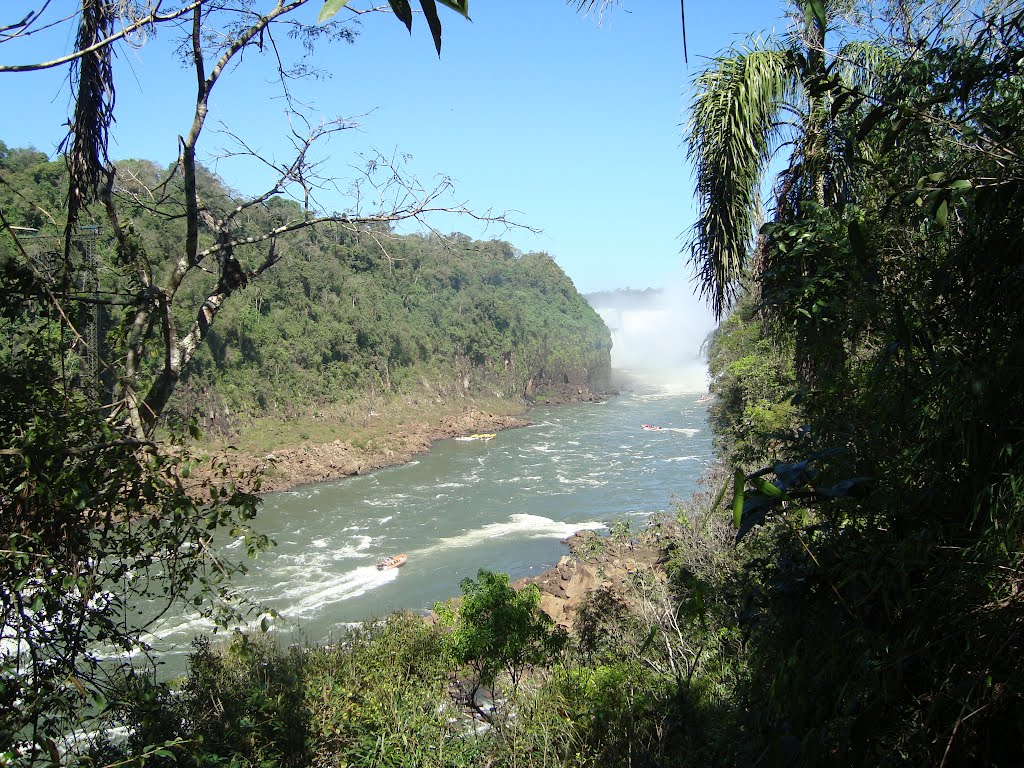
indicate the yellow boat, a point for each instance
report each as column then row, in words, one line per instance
column 392, row 561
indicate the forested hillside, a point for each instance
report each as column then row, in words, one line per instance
column 849, row 590
column 342, row 313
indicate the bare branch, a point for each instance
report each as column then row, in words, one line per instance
column 151, row 18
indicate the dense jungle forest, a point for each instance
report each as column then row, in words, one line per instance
column 343, row 315
column 847, row 591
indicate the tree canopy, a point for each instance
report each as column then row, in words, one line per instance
column 884, row 501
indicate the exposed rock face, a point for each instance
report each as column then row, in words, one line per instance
column 596, row 562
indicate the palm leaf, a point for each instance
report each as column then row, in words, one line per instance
column 732, row 135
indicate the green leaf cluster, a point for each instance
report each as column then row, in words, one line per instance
column 101, row 533
column 497, row 629
column 883, row 538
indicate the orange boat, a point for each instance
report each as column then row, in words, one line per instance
column 392, row 561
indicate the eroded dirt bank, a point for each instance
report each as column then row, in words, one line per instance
column 361, row 438
column 292, row 466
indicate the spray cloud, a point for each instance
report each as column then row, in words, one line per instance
column 658, row 335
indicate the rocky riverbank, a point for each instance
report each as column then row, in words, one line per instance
column 595, row 563
column 292, row 466
column 372, row 434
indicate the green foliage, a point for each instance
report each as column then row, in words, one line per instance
column 342, row 315
column 904, row 315
column 755, row 99
column 378, row 697
column 620, row 714
column 101, row 531
column 620, row 530
column 753, row 379
column 496, row 629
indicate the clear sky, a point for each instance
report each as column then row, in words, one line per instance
column 532, row 108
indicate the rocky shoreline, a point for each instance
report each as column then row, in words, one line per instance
column 291, row 467
column 594, row 563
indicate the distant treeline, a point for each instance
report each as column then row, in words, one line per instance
column 345, row 314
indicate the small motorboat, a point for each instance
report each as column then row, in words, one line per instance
column 651, row 427
column 392, row 561
column 478, row 436
column 705, row 399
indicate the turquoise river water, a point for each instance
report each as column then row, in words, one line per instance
column 506, row 504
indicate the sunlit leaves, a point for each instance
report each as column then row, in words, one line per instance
column 330, row 9
column 404, row 12
column 733, row 127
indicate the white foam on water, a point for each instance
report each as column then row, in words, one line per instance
column 522, row 462
column 390, row 501
column 682, row 458
column 585, row 480
column 304, row 600
column 355, row 549
column 517, row 479
column 526, row 526
column 688, row 432
column 305, row 493
column 385, row 519
column 318, row 543
column 187, row 626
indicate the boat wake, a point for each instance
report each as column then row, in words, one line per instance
column 305, row 600
column 525, row 526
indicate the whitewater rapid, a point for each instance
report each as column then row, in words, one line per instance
column 505, row 504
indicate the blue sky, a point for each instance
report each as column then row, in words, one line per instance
column 532, row 108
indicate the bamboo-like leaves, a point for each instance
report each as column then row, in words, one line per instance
column 430, row 12
column 739, row 481
column 795, row 486
column 460, row 6
column 403, row 10
column 330, row 10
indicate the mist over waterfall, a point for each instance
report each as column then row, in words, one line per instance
column 658, row 335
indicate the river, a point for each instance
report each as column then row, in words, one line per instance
column 505, row 504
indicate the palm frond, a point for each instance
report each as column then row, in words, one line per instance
column 732, row 135
column 860, row 64
column 824, row 155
